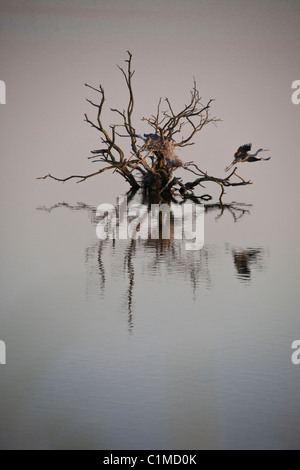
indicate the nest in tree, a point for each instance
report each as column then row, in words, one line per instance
column 165, row 149
column 152, row 165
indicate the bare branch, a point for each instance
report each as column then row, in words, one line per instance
column 155, row 161
column 82, row 178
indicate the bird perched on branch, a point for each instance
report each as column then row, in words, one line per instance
column 147, row 137
column 163, row 148
column 242, row 155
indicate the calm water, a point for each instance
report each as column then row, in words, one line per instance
column 142, row 344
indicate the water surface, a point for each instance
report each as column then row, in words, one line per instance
column 143, row 345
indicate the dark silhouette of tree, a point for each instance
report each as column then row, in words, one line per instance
column 152, row 162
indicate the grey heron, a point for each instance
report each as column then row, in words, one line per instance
column 153, row 137
column 242, row 155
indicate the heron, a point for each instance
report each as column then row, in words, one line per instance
column 163, row 148
column 242, row 155
column 146, row 137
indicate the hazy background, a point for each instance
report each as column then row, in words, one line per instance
column 243, row 54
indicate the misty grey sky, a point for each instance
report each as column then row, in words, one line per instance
column 244, row 54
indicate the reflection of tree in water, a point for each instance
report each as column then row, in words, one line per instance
column 155, row 258
column 235, row 209
column 127, row 259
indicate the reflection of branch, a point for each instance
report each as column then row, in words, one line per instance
column 200, row 270
column 79, row 206
column 128, row 266
column 237, row 210
column 164, row 253
column 101, row 268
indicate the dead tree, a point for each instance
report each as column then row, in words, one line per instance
column 152, row 165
